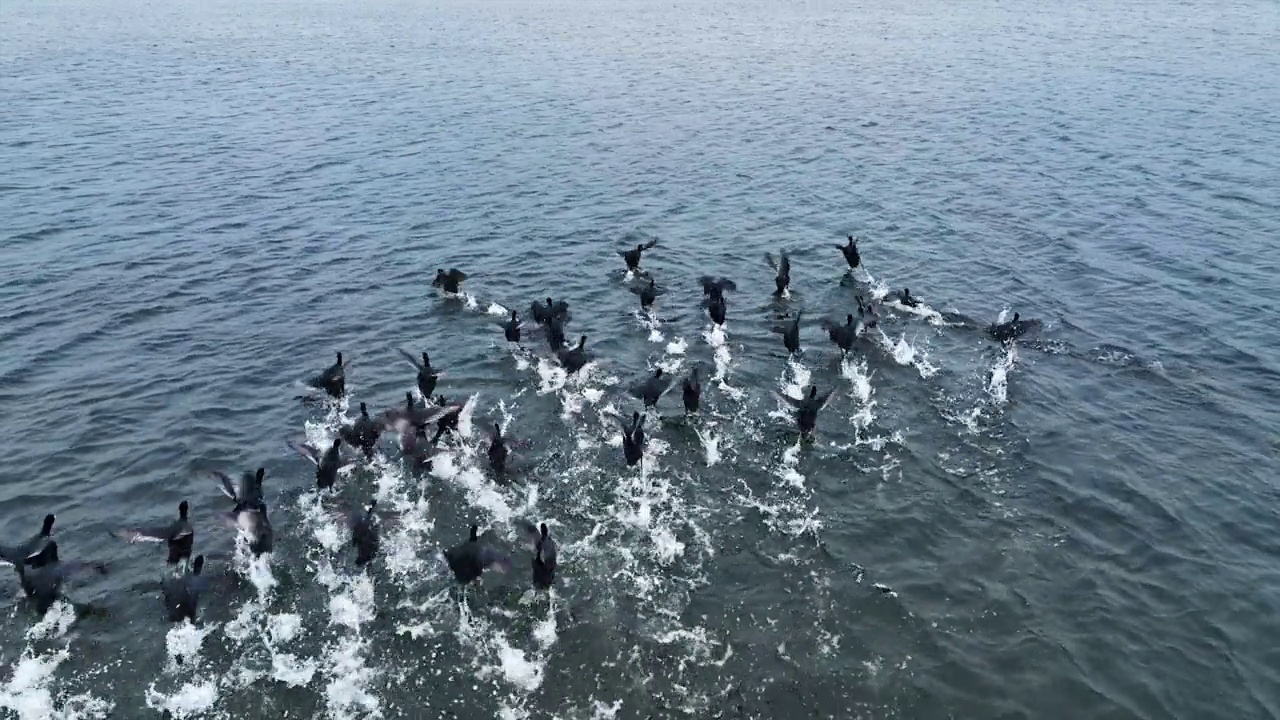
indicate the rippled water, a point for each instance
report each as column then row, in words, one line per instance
column 199, row 205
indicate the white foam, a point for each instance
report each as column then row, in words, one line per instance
column 677, row 347
column 355, row 607
column 545, row 631
column 649, row 320
column 906, row 353
column 600, row 711
column 717, row 337
column 292, row 670
column 666, row 547
column 183, row 642
column 794, row 379
column 998, row 379
column 348, row 694
column 497, row 310
column 193, row 699
column 552, row 377
column 855, row 371
column 710, row 446
column 517, row 669
column 29, row 694
column 787, row 467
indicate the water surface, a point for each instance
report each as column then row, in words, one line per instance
column 200, row 204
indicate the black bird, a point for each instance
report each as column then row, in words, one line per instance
column 555, row 333
column 43, row 574
column 511, row 328
column 648, row 293
column 842, row 335
column 867, row 313
column 632, row 257
column 248, row 495
column 410, row 415
column 714, row 286
column 692, row 391
column 791, row 334
column 182, row 594
column 470, row 559
column 364, row 534
column 363, row 433
column 497, row 450
column 333, row 380
column 1012, row 330
column 327, row 465
column 783, row 266
column 851, row 253
column 905, row 298
column 545, row 313
column 427, row 375
column 544, row 555
column 178, row 534
column 16, row 555
column 415, row 446
column 450, row 281
column 652, row 389
column 633, row 438
column 250, row 511
column 574, row 359
column 716, row 308
column 448, row 421
column 807, row 408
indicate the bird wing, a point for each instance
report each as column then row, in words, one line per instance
column 70, row 568
column 12, row 555
column 147, row 534
column 793, row 401
column 349, row 434
column 773, row 263
column 663, row 384
column 225, row 484
column 650, row 244
column 825, row 400
column 306, row 451
column 493, row 557
column 785, row 268
column 627, row 427
column 416, row 363
column 531, row 533
column 457, row 275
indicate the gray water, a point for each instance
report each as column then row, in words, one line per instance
column 200, row 203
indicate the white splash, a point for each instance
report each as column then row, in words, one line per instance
column 348, row 694
column 552, row 377
column 710, row 446
column 192, row 700
column 906, row 353
column 183, row 642
column 28, row 693
column 998, row 378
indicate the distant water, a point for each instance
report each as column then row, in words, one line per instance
column 201, row 202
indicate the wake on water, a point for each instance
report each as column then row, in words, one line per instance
column 644, row 535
